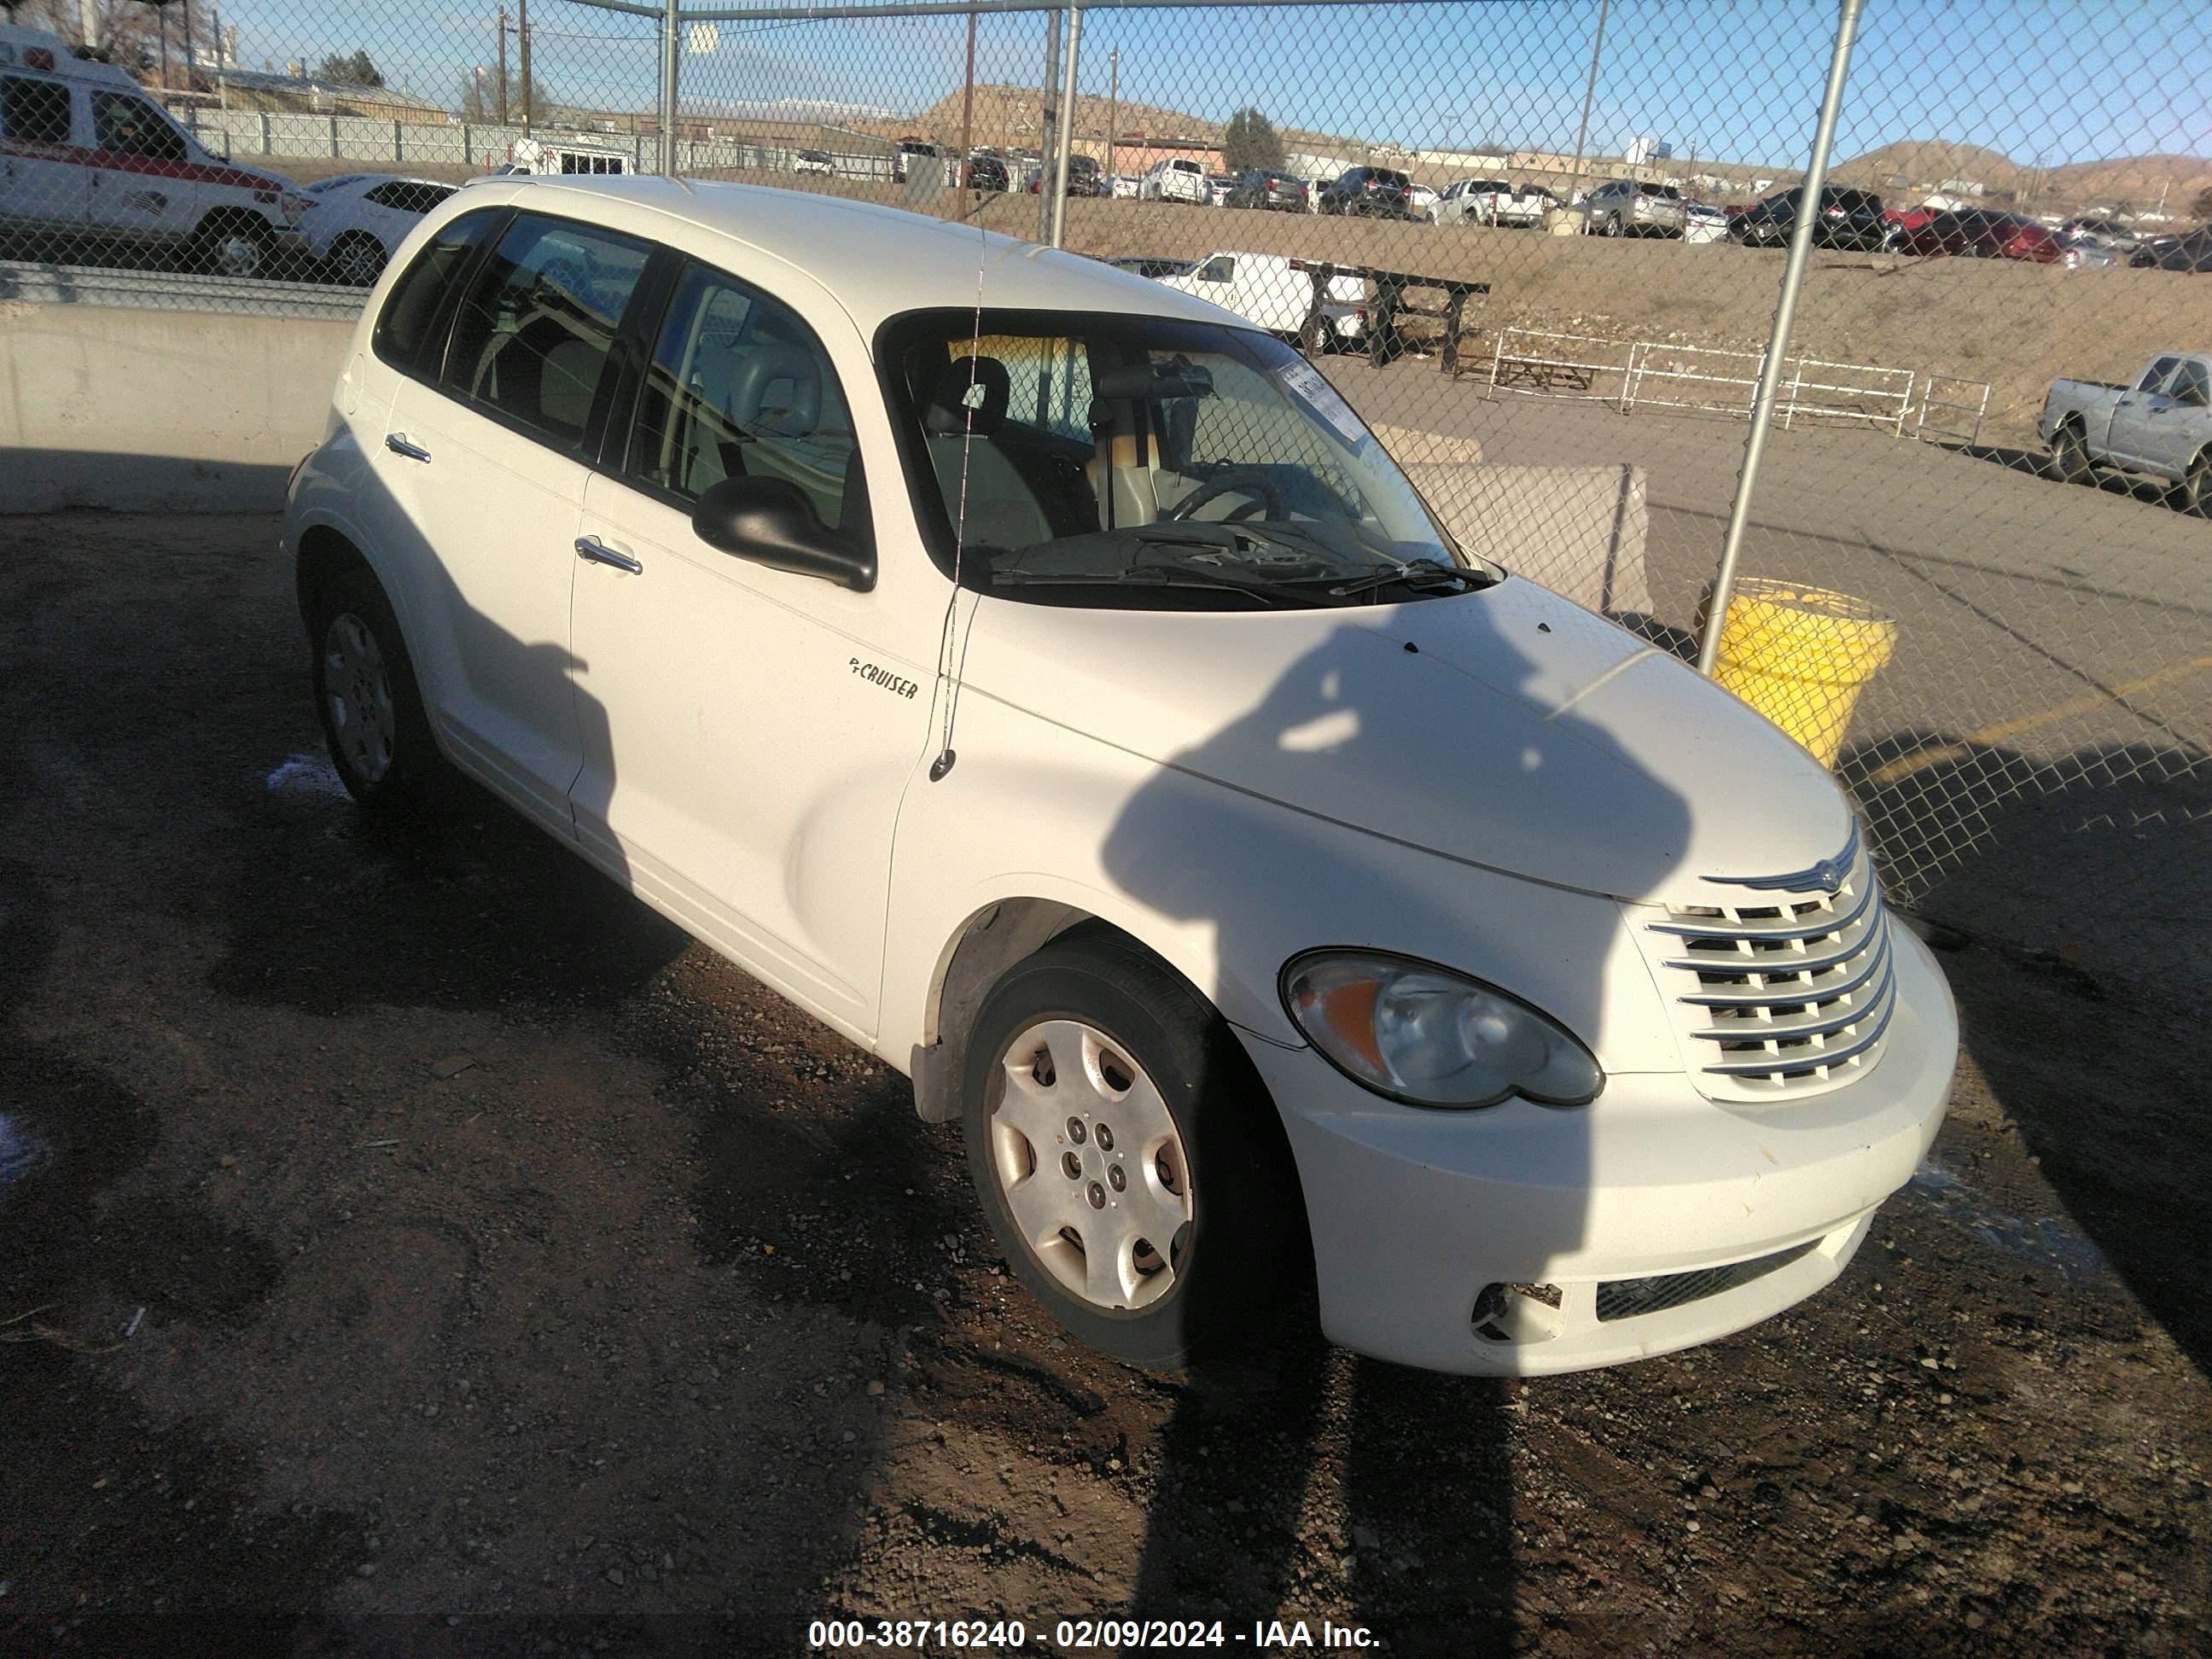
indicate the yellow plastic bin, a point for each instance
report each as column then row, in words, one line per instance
column 1800, row 655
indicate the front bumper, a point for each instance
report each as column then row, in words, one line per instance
column 1416, row 1214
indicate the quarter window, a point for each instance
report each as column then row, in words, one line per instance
column 408, row 314
column 739, row 387
column 537, row 327
column 34, row 111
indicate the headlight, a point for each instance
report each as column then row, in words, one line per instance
column 1427, row 1037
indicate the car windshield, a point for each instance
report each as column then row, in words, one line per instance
column 1130, row 462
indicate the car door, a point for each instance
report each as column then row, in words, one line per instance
column 748, row 731
column 44, row 184
column 2173, row 421
column 143, row 185
column 2134, row 411
column 483, row 460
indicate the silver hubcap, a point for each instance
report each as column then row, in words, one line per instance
column 1091, row 1164
column 359, row 263
column 238, row 255
column 357, row 690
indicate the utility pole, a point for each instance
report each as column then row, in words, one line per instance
column 1589, row 93
column 502, row 91
column 967, row 126
column 522, row 50
column 87, row 21
column 1113, row 114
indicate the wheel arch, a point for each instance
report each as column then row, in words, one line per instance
column 992, row 939
column 325, row 554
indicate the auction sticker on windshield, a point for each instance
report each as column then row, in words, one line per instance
column 1306, row 381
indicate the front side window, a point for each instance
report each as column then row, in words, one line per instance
column 124, row 125
column 2154, row 376
column 1220, row 269
column 739, row 386
column 404, row 326
column 1147, row 463
column 534, row 332
column 33, row 112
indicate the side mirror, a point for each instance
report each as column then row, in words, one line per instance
column 771, row 522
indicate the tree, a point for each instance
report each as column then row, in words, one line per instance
column 358, row 70
column 1250, row 141
column 480, row 100
column 135, row 35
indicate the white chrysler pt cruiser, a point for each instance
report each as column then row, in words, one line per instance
column 1045, row 679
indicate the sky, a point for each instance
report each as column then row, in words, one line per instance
column 2044, row 81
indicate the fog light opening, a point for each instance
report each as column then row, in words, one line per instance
column 1519, row 1314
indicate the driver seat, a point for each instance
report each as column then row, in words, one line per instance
column 960, row 419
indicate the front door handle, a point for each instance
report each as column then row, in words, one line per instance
column 591, row 548
column 399, row 445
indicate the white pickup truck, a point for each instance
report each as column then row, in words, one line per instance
column 2160, row 424
column 1265, row 290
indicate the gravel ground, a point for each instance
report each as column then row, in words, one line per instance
column 413, row 1245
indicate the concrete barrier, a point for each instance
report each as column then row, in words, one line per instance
column 1579, row 531
column 141, row 410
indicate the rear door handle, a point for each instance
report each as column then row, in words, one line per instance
column 591, row 548
column 399, row 445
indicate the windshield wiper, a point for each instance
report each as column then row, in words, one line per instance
column 1162, row 575
column 1413, row 572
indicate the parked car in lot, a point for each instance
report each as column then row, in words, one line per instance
column 1207, row 913
column 1217, row 187
column 2105, row 233
column 813, row 161
column 1982, row 233
column 1262, row 188
column 1084, row 178
column 1173, row 179
column 1148, row 265
column 1421, row 202
column 1848, row 219
column 358, row 219
column 2190, row 251
column 564, row 157
column 1122, row 185
column 1500, row 203
column 986, row 173
column 1267, row 291
column 1377, row 192
column 2160, row 424
column 1623, row 207
column 1703, row 222
column 90, row 158
column 911, row 152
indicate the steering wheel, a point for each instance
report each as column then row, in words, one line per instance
column 1249, row 479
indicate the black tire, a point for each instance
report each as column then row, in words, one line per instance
column 398, row 771
column 1242, row 1261
column 1612, row 225
column 2070, row 457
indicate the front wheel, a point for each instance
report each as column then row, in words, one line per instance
column 235, row 248
column 1612, row 225
column 1127, row 1157
column 366, row 695
column 358, row 260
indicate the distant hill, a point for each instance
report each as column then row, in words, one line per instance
column 1929, row 161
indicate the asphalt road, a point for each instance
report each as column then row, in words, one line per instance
column 408, row 1243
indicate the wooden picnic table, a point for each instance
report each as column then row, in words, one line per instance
column 1383, row 339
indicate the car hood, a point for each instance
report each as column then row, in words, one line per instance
column 1506, row 728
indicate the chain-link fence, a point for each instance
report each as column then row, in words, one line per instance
column 1538, row 247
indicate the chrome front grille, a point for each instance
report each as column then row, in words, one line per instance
column 1787, row 990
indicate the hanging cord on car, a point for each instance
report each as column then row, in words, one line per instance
column 948, row 674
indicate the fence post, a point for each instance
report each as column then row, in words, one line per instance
column 1047, row 135
column 334, row 137
column 1065, row 138
column 399, row 143
column 265, row 133
column 668, row 25
column 1785, row 313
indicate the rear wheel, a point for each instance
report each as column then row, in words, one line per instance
column 1130, row 1163
column 2195, row 496
column 367, row 697
column 232, row 247
column 358, row 259
column 2069, row 456
column 1613, row 227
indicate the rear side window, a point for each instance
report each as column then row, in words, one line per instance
column 409, row 197
column 739, row 387
column 2154, row 376
column 535, row 330
column 2192, row 385
column 33, row 112
column 408, row 314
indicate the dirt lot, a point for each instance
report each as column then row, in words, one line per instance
column 413, row 1245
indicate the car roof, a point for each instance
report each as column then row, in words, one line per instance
column 878, row 261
